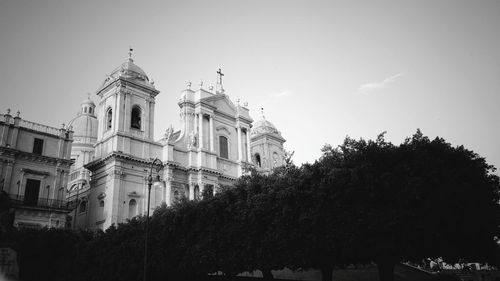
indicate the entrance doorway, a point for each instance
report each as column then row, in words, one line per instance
column 31, row 192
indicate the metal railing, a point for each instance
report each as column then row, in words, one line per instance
column 40, row 202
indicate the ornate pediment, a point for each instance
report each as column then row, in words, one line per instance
column 134, row 194
column 224, row 129
column 222, row 103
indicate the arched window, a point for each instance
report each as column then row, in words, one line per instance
column 109, row 119
column 135, row 120
column 257, row 160
column 132, row 208
column 101, row 203
column 90, row 110
column 223, row 148
column 83, row 207
column 85, row 110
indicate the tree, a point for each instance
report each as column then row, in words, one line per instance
column 419, row 199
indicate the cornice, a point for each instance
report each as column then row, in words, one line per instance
column 131, row 136
column 203, row 169
column 279, row 139
column 92, row 166
column 127, row 82
column 18, row 154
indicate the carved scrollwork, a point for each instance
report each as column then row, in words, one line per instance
column 118, row 173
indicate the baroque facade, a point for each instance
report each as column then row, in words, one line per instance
column 114, row 147
column 34, row 167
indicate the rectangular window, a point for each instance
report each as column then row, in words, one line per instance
column 223, row 149
column 38, row 146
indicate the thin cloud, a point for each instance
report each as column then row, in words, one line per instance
column 276, row 96
column 372, row 86
column 281, row 94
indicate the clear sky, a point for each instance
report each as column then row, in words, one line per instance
column 322, row 70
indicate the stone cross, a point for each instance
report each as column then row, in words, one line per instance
column 219, row 76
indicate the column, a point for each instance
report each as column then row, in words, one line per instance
column 168, row 192
column 212, row 141
column 116, row 115
column 191, row 191
column 4, row 130
column 20, row 186
column 55, row 183
column 8, row 176
column 101, row 118
column 120, row 115
column 2, row 176
column 249, row 155
column 127, row 114
column 63, row 183
column 145, row 117
column 200, row 129
column 151, row 118
column 240, row 152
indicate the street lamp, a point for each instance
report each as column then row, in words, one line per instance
column 159, row 165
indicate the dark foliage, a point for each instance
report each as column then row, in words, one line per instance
column 362, row 202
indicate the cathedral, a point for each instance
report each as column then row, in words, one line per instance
column 114, row 150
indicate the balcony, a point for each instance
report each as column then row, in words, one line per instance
column 44, row 203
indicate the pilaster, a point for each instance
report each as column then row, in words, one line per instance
column 212, row 143
column 240, row 152
column 200, row 130
column 249, row 155
column 8, row 176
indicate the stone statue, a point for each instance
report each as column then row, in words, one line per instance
column 169, row 132
column 192, row 139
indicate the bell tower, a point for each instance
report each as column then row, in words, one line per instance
column 266, row 145
column 124, row 146
column 126, row 112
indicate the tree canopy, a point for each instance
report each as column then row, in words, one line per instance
column 364, row 201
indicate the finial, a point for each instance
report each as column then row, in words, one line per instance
column 189, row 84
column 130, row 50
column 211, row 88
column 62, row 125
column 201, row 84
column 18, row 113
column 238, row 101
column 245, row 104
column 262, row 113
column 88, row 95
column 8, row 111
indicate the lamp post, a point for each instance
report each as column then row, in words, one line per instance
column 159, row 165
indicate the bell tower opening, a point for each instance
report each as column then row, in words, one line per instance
column 135, row 121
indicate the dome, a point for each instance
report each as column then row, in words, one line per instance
column 263, row 126
column 84, row 125
column 129, row 70
column 129, row 67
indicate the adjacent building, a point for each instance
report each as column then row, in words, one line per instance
column 34, row 167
